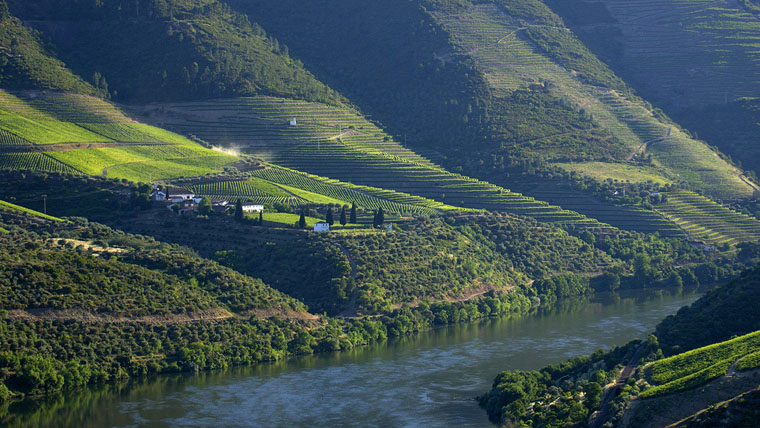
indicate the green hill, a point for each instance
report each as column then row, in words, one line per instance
column 338, row 143
column 175, row 49
column 698, row 60
column 25, row 63
column 699, row 366
column 71, row 133
column 527, row 88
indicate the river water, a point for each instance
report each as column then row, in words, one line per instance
column 428, row 380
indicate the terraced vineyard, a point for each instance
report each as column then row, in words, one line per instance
column 695, row 51
column 59, row 124
column 511, row 61
column 255, row 190
column 260, row 126
column 623, row 217
column 364, row 196
column 698, row 366
column 35, row 161
column 708, row 221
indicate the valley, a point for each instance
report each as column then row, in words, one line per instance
column 190, row 187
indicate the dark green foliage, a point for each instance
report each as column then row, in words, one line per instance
column 384, row 61
column 329, row 217
column 204, row 207
column 379, row 218
column 25, row 63
column 343, row 216
column 120, row 275
column 743, row 411
column 352, row 218
column 302, row 220
column 719, row 315
column 558, row 395
column 173, row 49
column 239, row 210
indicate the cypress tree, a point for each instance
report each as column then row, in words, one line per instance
column 343, row 220
column 329, row 219
column 261, row 217
column 380, row 217
column 4, row 12
column 352, row 218
column 239, row 210
column 302, row 220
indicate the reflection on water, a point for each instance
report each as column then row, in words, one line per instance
column 426, row 380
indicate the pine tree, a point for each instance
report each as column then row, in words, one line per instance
column 329, row 219
column 380, row 217
column 343, row 220
column 239, row 210
column 261, row 217
column 352, row 218
column 302, row 220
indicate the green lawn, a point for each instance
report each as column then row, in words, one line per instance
column 617, row 171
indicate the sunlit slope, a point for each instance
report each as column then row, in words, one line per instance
column 511, row 61
column 708, row 221
column 340, row 144
column 281, row 185
column 71, row 133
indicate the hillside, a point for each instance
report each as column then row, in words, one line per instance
column 176, row 49
column 26, row 64
column 340, row 144
column 636, row 385
column 500, row 57
column 63, row 132
column 697, row 60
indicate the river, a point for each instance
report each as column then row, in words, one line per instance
column 428, row 380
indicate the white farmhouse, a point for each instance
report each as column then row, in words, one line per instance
column 252, row 208
column 293, row 122
column 321, row 226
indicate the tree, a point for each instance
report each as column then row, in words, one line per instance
column 329, row 218
column 239, row 210
column 4, row 12
column 343, row 220
column 352, row 218
column 261, row 217
column 302, row 220
column 205, row 206
column 379, row 218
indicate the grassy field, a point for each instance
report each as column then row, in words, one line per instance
column 511, row 61
column 340, row 144
column 138, row 152
column 7, row 206
column 601, row 171
column 696, row 367
column 286, row 219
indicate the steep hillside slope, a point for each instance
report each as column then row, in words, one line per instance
column 338, row 143
column 176, row 49
column 516, row 69
column 698, row 60
column 26, row 64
